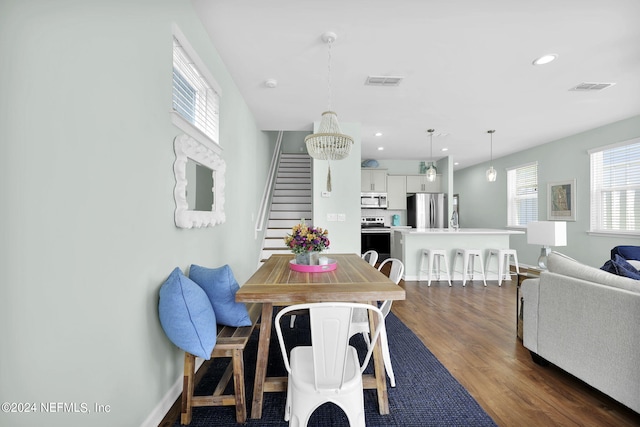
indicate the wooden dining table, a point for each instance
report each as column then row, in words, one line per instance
column 275, row 284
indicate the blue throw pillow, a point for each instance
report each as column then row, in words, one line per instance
column 186, row 315
column 221, row 287
column 618, row 265
column 626, row 252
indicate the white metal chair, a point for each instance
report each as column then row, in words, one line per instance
column 329, row 370
column 371, row 257
column 360, row 323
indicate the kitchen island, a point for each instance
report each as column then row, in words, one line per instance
column 409, row 243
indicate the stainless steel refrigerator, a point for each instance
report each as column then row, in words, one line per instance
column 427, row 210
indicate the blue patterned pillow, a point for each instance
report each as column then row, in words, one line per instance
column 221, row 287
column 186, row 315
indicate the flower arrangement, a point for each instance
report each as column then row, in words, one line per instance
column 305, row 239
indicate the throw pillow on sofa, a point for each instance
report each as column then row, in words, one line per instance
column 186, row 315
column 618, row 265
column 221, row 287
column 627, row 252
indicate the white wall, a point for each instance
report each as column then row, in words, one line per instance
column 345, row 196
column 87, row 229
column 484, row 204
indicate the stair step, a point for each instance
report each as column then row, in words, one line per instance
column 294, row 174
column 277, row 233
column 293, row 186
column 294, row 181
column 296, row 207
column 296, row 168
column 295, row 163
column 294, row 156
column 286, row 223
column 295, row 215
column 290, row 193
column 290, row 199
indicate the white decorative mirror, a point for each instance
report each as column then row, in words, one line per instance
column 199, row 191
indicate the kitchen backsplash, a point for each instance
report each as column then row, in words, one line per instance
column 387, row 214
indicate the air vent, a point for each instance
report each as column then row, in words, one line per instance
column 383, row 80
column 588, row 87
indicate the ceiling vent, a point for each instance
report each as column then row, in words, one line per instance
column 383, row 80
column 589, row 87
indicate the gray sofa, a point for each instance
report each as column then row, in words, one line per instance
column 587, row 322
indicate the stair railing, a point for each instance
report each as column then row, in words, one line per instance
column 268, row 187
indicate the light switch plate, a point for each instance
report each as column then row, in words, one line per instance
column 332, row 217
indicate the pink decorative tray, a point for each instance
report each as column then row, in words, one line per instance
column 333, row 264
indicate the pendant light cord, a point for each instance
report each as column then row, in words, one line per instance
column 490, row 132
column 330, row 42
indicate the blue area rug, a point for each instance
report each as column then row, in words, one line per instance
column 426, row 394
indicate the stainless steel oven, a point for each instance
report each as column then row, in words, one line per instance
column 375, row 235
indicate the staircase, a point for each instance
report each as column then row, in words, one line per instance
column 290, row 203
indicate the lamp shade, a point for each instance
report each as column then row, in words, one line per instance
column 547, row 233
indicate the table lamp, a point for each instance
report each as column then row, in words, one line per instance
column 546, row 233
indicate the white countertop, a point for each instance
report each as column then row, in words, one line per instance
column 461, row 231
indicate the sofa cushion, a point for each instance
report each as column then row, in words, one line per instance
column 620, row 266
column 186, row 315
column 221, row 287
column 562, row 264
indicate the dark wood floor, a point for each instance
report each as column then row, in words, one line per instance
column 472, row 331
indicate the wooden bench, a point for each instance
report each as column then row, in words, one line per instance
column 230, row 342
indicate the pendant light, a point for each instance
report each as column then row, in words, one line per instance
column 491, row 172
column 431, row 172
column 329, row 143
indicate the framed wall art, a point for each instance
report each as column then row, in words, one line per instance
column 561, row 200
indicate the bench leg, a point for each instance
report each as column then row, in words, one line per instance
column 238, row 383
column 187, row 388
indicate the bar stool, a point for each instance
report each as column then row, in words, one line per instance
column 468, row 263
column 433, row 258
column 503, row 257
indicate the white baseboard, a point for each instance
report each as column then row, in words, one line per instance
column 161, row 409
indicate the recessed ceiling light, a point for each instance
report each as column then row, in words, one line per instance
column 456, row 163
column 380, row 148
column 378, row 133
column 271, row 83
column 545, row 59
column 445, row 149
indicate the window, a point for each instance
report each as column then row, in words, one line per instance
column 196, row 96
column 615, row 188
column 522, row 195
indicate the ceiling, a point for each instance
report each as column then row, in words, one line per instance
column 467, row 68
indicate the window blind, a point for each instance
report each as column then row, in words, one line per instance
column 522, row 195
column 615, row 188
column 193, row 97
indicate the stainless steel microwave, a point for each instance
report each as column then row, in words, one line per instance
column 373, row 200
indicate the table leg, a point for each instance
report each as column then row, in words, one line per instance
column 262, row 359
column 378, row 367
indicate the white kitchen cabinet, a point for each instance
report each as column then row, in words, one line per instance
column 396, row 192
column 420, row 184
column 373, row 180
